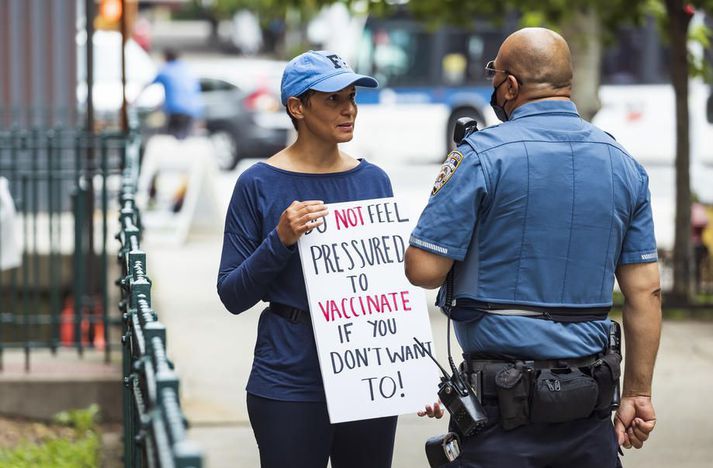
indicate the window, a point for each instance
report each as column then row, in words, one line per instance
column 637, row 56
column 395, row 56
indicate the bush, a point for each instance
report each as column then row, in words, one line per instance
column 81, row 450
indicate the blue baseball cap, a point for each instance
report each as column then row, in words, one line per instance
column 320, row 70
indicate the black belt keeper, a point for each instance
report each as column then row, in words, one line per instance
column 291, row 314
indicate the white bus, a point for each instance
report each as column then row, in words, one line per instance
column 430, row 78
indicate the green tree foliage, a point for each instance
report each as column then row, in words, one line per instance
column 267, row 9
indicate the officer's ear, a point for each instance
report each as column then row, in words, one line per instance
column 295, row 108
column 513, row 88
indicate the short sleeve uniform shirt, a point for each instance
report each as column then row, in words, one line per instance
column 539, row 211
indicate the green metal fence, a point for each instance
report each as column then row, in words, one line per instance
column 154, row 425
column 58, row 181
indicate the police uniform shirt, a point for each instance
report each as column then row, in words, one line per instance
column 538, row 212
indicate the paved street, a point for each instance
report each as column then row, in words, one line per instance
column 212, row 351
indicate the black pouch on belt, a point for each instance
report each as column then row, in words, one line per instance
column 562, row 395
column 513, row 387
column 606, row 371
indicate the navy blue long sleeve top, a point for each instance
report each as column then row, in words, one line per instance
column 255, row 266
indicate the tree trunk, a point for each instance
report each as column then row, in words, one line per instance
column 214, row 22
column 583, row 31
column 678, row 21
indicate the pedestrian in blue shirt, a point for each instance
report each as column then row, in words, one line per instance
column 274, row 203
column 536, row 217
column 182, row 103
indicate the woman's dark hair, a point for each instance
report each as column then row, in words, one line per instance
column 304, row 99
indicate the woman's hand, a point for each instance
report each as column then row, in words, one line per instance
column 298, row 218
column 435, row 411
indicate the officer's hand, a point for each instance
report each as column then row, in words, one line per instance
column 634, row 421
column 434, row 411
column 298, row 218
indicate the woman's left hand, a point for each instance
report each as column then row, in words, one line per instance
column 435, row 411
column 298, row 218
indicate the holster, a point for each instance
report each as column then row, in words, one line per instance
column 606, row 371
column 442, row 449
column 513, row 388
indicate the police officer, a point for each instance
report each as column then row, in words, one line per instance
column 536, row 216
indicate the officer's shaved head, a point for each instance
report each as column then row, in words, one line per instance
column 537, row 56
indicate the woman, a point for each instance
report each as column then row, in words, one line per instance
column 274, row 203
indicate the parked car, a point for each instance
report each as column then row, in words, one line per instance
column 242, row 110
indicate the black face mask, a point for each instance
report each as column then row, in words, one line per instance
column 499, row 110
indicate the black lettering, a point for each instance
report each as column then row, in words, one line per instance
column 379, row 254
column 399, row 247
column 355, row 244
column 336, row 60
column 368, row 254
column 398, row 216
column 316, row 255
column 395, row 355
column 345, row 248
column 336, row 358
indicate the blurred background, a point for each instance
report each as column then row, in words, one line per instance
column 100, row 134
column 428, row 60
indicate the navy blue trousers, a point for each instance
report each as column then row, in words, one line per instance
column 298, row 434
column 583, row 443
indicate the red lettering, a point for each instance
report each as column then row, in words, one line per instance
column 351, row 307
column 351, row 304
column 325, row 312
column 339, row 215
column 405, row 300
column 334, row 308
column 344, row 307
column 348, row 217
column 373, row 301
column 361, row 218
column 385, row 303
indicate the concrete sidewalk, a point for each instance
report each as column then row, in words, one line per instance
column 212, row 351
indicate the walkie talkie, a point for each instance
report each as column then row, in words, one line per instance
column 459, row 398
column 464, row 127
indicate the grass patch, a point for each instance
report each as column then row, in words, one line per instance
column 80, row 447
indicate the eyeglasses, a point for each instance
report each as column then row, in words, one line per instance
column 490, row 70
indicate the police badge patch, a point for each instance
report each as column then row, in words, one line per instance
column 449, row 166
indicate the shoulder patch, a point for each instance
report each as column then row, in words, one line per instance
column 448, row 168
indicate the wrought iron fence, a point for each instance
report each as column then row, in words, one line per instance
column 154, row 425
column 55, row 195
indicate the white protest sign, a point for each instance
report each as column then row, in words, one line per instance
column 365, row 313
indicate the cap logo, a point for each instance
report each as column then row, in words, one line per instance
column 337, row 61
